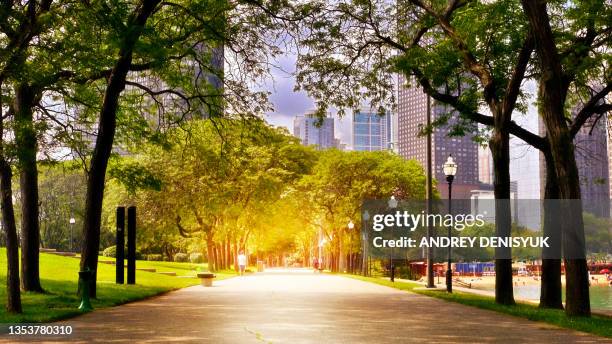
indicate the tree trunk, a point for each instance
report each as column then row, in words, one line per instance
column 210, row 252
column 218, row 265
column 13, row 303
column 235, row 255
column 13, row 291
column 500, row 150
column 552, row 95
column 228, row 253
column 104, row 142
column 577, row 299
column 550, row 287
column 27, row 148
column 223, row 255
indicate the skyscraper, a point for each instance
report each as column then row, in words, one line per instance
column 485, row 166
column 591, row 149
column 371, row 132
column 412, row 116
column 314, row 131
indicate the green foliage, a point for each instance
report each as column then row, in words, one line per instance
column 62, row 197
column 110, row 252
column 406, row 272
column 154, row 257
column 133, row 176
column 222, row 176
column 597, row 234
column 341, row 181
column 253, row 184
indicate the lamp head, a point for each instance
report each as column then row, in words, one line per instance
column 366, row 216
column 450, row 168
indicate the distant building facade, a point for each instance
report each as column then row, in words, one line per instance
column 591, row 150
column 371, row 132
column 315, row 131
column 412, row 117
column 485, row 166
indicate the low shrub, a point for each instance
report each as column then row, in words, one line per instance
column 181, row 257
column 154, row 257
column 195, row 258
column 110, row 251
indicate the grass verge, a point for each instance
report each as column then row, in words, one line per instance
column 598, row 325
column 59, row 277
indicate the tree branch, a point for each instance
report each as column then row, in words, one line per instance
column 470, row 61
column 514, row 84
column 591, row 107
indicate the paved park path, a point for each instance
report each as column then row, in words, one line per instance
column 303, row 307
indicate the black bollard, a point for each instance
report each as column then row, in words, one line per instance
column 120, row 245
column 131, row 245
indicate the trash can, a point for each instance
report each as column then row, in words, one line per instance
column 206, row 278
column 84, row 280
column 260, row 266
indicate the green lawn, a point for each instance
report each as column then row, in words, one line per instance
column 59, row 279
column 181, row 269
column 598, row 325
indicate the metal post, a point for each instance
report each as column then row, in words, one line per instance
column 364, row 263
column 120, row 246
column 320, row 249
column 429, row 195
column 131, row 245
column 449, row 272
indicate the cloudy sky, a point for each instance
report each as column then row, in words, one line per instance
column 288, row 104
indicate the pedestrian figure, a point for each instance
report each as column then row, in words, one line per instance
column 242, row 260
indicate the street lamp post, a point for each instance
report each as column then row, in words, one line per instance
column 450, row 170
column 321, row 242
column 392, row 205
column 320, row 249
column 364, row 260
column 350, row 226
column 72, row 222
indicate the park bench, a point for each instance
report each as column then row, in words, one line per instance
column 206, row 278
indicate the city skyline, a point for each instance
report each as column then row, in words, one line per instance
column 525, row 168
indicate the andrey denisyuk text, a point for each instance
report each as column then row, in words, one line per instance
column 406, row 221
column 405, row 242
